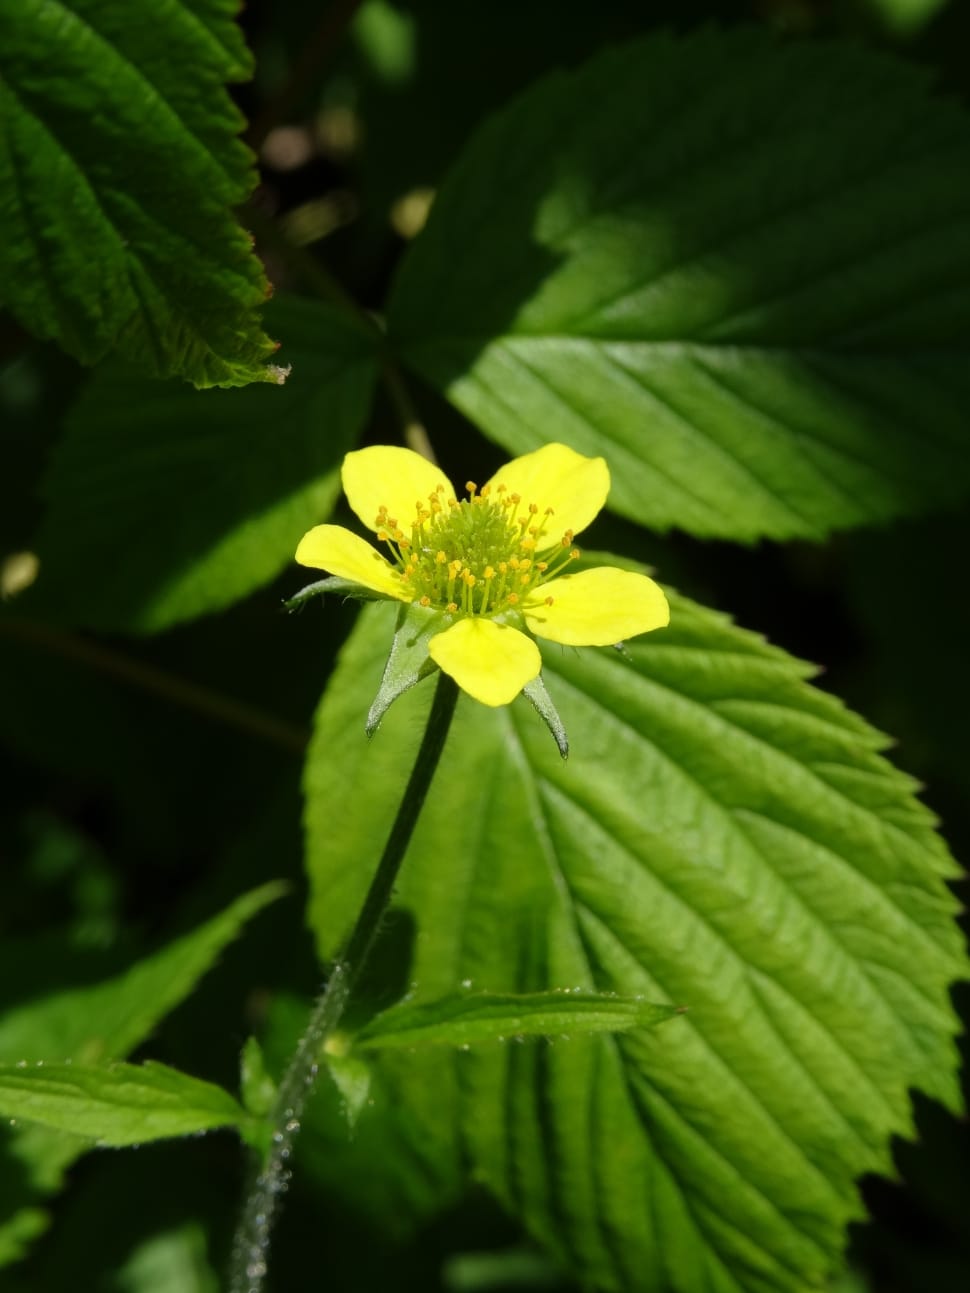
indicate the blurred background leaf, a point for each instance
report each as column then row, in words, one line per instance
column 196, row 504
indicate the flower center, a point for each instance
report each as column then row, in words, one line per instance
column 480, row 556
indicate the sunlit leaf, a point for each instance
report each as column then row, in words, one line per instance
column 462, row 1020
column 116, row 1105
column 724, row 836
column 732, row 265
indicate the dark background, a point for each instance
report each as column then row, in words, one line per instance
column 113, row 833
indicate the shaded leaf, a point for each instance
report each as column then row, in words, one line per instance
column 104, row 1021
column 165, row 503
column 731, row 265
column 119, row 169
column 94, row 1024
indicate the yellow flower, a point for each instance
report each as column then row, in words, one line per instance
column 493, row 566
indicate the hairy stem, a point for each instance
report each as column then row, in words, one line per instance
column 250, row 1253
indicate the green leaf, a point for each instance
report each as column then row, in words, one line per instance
column 119, row 169
column 733, row 266
column 352, row 1078
column 174, row 1261
column 104, row 1021
column 378, row 1138
column 89, row 1025
column 257, row 1088
column 122, row 1104
column 166, row 503
column 904, row 17
column 725, row 837
column 489, row 1017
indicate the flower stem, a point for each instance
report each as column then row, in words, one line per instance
column 250, row 1252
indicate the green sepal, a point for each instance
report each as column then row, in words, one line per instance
column 352, row 1078
column 542, row 701
column 256, row 1087
column 332, row 584
column 408, row 661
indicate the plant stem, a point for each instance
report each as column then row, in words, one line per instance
column 250, row 1253
column 170, row 687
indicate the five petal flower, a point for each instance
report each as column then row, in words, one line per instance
column 493, row 566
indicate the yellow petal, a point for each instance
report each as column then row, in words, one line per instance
column 492, row 662
column 392, row 477
column 332, row 548
column 597, row 607
column 558, row 477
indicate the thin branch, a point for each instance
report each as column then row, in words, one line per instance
column 146, row 677
column 317, row 51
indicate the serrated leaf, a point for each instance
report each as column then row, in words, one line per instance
column 496, row 1016
column 121, row 1104
column 724, row 836
column 164, row 503
column 119, row 169
column 729, row 264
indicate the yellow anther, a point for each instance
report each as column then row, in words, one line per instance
column 425, row 601
column 575, row 555
column 489, row 572
column 454, row 567
column 542, row 565
column 525, row 564
column 441, row 558
column 515, row 498
column 469, row 579
column 513, row 598
column 550, row 511
column 486, row 490
column 471, row 488
column 503, row 567
column 502, row 489
column 533, row 508
column 550, row 600
column 452, row 607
